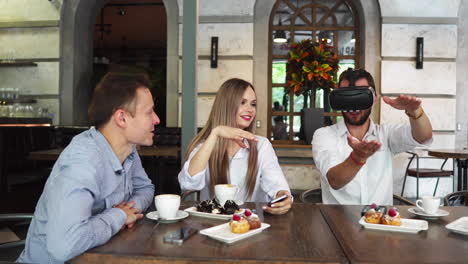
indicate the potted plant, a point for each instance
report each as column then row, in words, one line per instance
column 311, row 66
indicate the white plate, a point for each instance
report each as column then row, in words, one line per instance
column 420, row 213
column 155, row 216
column 193, row 211
column 224, row 234
column 407, row 225
column 459, row 226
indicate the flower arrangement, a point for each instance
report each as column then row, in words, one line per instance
column 311, row 66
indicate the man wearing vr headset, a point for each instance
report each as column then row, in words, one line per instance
column 354, row 156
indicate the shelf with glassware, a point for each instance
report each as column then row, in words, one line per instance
column 14, row 105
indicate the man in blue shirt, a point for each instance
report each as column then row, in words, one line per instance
column 97, row 186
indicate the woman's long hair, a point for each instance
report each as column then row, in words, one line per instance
column 224, row 113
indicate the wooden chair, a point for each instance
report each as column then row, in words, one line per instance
column 315, row 196
column 456, row 199
column 419, row 172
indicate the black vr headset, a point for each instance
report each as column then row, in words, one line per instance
column 352, row 98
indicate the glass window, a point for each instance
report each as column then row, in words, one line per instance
column 332, row 21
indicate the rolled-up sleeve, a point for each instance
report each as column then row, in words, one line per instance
column 401, row 139
column 72, row 229
column 143, row 189
column 272, row 177
column 194, row 182
column 324, row 150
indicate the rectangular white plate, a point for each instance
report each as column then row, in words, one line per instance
column 459, row 226
column 193, row 211
column 224, row 234
column 407, row 226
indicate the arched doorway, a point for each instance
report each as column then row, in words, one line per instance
column 77, row 26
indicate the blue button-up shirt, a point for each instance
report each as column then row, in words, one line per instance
column 74, row 212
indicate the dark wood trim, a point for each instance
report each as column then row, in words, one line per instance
column 18, row 64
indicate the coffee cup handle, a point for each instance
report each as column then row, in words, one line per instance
column 419, row 206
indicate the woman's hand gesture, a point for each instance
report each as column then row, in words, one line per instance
column 236, row 134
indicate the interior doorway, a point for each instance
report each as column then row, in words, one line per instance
column 131, row 37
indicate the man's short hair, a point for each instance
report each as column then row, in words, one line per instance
column 114, row 91
column 352, row 75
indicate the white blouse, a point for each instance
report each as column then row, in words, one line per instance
column 270, row 177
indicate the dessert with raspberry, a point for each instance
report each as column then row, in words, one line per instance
column 392, row 218
column 373, row 215
column 238, row 224
column 254, row 221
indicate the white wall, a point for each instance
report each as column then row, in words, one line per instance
column 435, row 21
column 232, row 23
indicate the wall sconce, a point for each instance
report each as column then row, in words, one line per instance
column 419, row 53
column 280, row 35
column 214, row 52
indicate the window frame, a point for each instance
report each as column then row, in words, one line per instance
column 313, row 29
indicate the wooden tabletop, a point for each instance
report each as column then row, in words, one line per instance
column 449, row 153
column 300, row 236
column 436, row 245
column 153, row 151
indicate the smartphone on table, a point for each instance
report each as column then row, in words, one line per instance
column 179, row 236
column 278, row 199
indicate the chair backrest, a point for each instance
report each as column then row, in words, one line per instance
column 456, row 199
column 18, row 225
column 312, row 196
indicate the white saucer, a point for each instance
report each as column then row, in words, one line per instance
column 420, row 213
column 155, row 216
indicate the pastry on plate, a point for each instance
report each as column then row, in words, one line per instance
column 239, row 224
column 254, row 221
column 373, row 215
column 392, row 218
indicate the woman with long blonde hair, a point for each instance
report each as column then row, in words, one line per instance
column 227, row 151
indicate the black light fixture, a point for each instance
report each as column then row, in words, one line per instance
column 419, row 53
column 214, row 52
column 280, row 35
column 324, row 36
column 121, row 12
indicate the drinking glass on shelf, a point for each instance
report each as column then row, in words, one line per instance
column 2, row 94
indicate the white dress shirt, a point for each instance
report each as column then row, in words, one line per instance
column 374, row 182
column 270, row 177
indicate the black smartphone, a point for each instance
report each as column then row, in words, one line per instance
column 179, row 236
column 279, row 199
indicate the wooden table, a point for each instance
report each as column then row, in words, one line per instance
column 436, row 245
column 152, row 151
column 301, row 236
column 461, row 158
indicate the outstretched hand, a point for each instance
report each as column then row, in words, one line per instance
column 363, row 149
column 403, row 102
column 236, row 134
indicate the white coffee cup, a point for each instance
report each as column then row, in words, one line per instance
column 167, row 205
column 429, row 204
column 224, row 192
